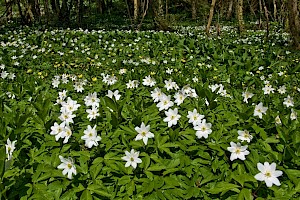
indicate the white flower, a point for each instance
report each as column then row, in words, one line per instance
column 78, row 86
column 70, row 105
column 144, row 133
column 58, row 130
column 92, row 113
column 11, row 76
column 148, row 81
column 90, row 136
column 282, row 89
column 195, row 79
column 66, row 116
column 9, row 148
column 203, row 129
column 92, row 100
column 244, row 136
column 3, row 74
column 293, row 115
column 132, row 158
column 170, row 85
column 156, row 94
column 132, row 84
column 115, row 94
column 268, row 89
column 247, row 95
column 67, row 134
column 169, row 71
column 237, row 151
column 172, row 117
column 179, row 98
column 165, row 102
column 55, row 83
column 289, row 102
column 194, row 117
column 277, row 120
column 260, row 110
column 68, row 166
column 268, row 173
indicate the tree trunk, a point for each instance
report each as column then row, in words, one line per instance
column 23, row 19
column 100, row 6
column 46, row 7
column 160, row 22
column 211, row 13
column 160, row 8
column 80, row 12
column 167, row 10
column 229, row 10
column 194, row 9
column 239, row 12
column 275, row 10
column 8, row 5
column 260, row 14
column 135, row 10
column 267, row 17
column 294, row 24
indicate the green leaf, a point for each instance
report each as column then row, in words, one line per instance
column 156, row 167
column 99, row 190
column 222, row 187
column 245, row 194
column 2, row 161
column 86, row 195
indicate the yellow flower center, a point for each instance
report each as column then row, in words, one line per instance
column 69, row 165
column 238, row 150
column 268, row 174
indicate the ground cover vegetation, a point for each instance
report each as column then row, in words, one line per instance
column 148, row 115
column 146, row 108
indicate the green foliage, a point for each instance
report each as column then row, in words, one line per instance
column 176, row 164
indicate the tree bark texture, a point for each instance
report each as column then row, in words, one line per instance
column 275, row 10
column 135, row 10
column 211, row 14
column 8, row 5
column 294, row 23
column 229, row 9
column 239, row 12
column 194, row 9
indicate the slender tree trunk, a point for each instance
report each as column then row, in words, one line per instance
column 239, row 12
column 129, row 15
column 135, row 10
column 275, row 10
column 145, row 9
column 100, row 6
column 251, row 9
column 229, row 10
column 8, row 5
column 29, row 13
column 46, row 7
column 294, row 23
column 260, row 14
column 80, row 12
column 267, row 17
column 211, row 13
column 160, row 8
column 167, row 10
column 194, row 9
column 22, row 15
